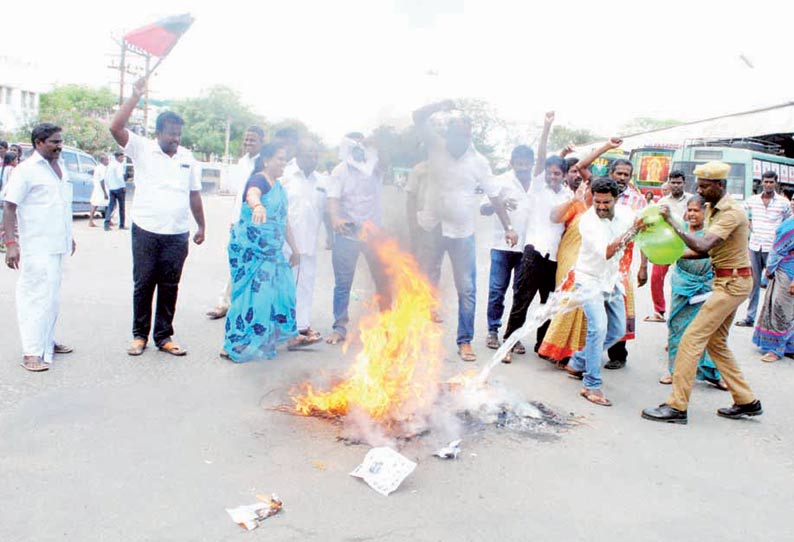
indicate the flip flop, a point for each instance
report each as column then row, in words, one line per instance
column 655, row 318
column 573, row 373
column 519, row 348
column 35, row 365
column 302, row 342
column 172, row 348
column 666, row 379
column 216, row 314
column 62, row 349
column 769, row 357
column 595, row 396
column 137, row 347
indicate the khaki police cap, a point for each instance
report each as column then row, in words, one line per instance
column 712, row 171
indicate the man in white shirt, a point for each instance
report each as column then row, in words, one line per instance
column 306, row 190
column 606, row 230
column 447, row 217
column 766, row 212
column 99, row 192
column 621, row 171
column 505, row 260
column 116, row 186
column 354, row 198
column 167, row 192
column 253, row 140
column 677, row 201
column 39, row 197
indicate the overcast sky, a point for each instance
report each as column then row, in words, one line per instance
column 350, row 64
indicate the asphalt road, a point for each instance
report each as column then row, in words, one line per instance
column 108, row 447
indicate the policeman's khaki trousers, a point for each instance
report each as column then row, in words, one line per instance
column 709, row 331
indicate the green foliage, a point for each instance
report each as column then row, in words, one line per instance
column 83, row 113
column 562, row 135
column 206, row 119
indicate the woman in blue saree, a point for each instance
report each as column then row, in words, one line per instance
column 262, row 311
column 774, row 332
column 691, row 284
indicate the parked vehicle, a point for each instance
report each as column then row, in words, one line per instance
column 80, row 166
column 748, row 159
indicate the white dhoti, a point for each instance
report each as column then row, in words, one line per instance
column 225, row 299
column 304, row 290
column 38, row 297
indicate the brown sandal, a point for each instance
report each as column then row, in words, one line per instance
column 466, row 353
column 62, row 349
column 137, row 347
column 34, row 364
column 172, row 348
column 302, row 341
column 573, row 373
column 595, row 396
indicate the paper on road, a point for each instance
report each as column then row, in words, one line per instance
column 384, row 469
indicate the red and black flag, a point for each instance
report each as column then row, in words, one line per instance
column 157, row 39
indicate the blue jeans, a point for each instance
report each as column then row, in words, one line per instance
column 344, row 258
column 503, row 264
column 115, row 197
column 606, row 324
column 462, row 255
column 758, row 263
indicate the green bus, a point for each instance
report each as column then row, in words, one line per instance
column 748, row 161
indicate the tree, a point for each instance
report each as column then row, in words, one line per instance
column 84, row 114
column 208, row 117
column 563, row 135
column 646, row 124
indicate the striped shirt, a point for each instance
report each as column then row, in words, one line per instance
column 764, row 220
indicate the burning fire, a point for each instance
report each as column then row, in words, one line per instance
column 396, row 374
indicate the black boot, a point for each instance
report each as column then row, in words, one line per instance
column 739, row 411
column 665, row 413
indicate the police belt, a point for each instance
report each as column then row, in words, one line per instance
column 738, row 272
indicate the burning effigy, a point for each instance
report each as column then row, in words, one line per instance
column 395, row 388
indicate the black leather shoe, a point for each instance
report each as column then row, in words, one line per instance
column 615, row 364
column 739, row 411
column 665, row 413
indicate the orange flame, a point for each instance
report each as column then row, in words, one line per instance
column 395, row 376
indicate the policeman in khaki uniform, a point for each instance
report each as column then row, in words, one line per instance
column 725, row 242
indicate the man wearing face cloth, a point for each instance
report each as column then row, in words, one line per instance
column 448, row 213
column 354, row 198
column 167, row 192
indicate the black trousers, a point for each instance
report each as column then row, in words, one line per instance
column 536, row 275
column 115, row 197
column 618, row 352
column 157, row 262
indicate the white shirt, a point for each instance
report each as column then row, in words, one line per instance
column 541, row 232
column 99, row 175
column 114, row 176
column 764, row 220
column 511, row 188
column 239, row 177
column 677, row 206
column 306, row 198
column 450, row 197
column 592, row 267
column 162, row 186
column 359, row 193
column 44, row 206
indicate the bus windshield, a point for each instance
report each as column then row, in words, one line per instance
column 736, row 178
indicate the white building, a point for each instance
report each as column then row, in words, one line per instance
column 21, row 85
